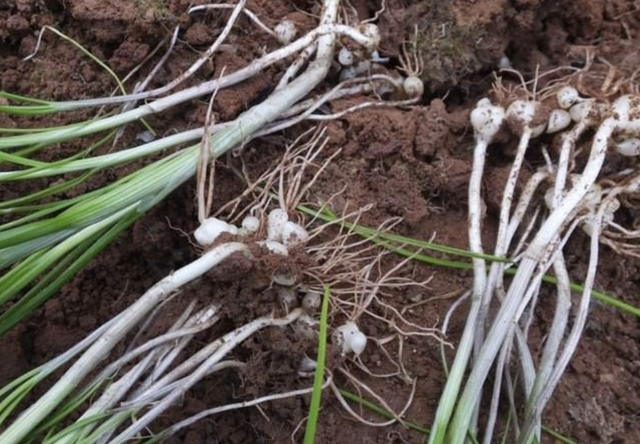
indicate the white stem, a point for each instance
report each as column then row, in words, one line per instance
column 502, row 238
column 554, row 339
column 535, row 253
column 65, row 357
column 326, row 32
column 497, row 268
column 116, row 391
column 569, row 141
column 495, row 397
column 296, row 66
column 574, row 337
column 578, row 326
column 229, row 342
column 101, row 348
column 522, row 206
column 454, row 380
column 475, row 219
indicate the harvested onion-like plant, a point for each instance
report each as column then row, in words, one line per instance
column 53, row 239
column 575, row 195
column 129, row 391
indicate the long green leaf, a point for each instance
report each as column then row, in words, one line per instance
column 390, row 241
column 318, row 378
column 19, row 160
column 24, row 273
column 14, row 205
column 19, row 391
column 327, row 215
column 20, row 98
column 73, row 262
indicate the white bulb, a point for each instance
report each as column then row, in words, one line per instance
column 275, row 247
column 285, row 31
column 345, row 57
column 629, row 147
column 587, row 226
column 487, row 119
column 358, row 343
column 251, row 224
column 351, row 338
column 567, row 97
column 504, row 63
column 621, row 107
column 275, row 224
column 287, row 295
column 376, row 58
column 293, row 234
column 522, row 110
column 593, row 197
column 413, row 86
column 559, row 119
column 548, row 197
column 211, row 228
column 312, row 301
column 347, row 73
column 284, row 279
column 580, row 111
column 144, row 136
column 307, row 365
column 373, row 32
column 609, row 212
column 484, row 103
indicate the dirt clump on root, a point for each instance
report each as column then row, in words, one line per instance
column 410, row 163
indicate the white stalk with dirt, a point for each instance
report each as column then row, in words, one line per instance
column 580, row 201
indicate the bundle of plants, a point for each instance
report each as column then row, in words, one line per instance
column 589, row 183
column 52, row 239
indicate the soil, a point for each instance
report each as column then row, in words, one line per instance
column 412, row 163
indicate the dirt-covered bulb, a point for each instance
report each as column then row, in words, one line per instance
column 351, row 338
column 211, row 228
column 285, row 31
column 413, row 86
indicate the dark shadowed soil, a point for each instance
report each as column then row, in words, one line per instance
column 412, row 163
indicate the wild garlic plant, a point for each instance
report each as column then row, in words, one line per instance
column 129, row 391
column 147, row 389
column 576, row 195
column 54, row 239
column 361, row 292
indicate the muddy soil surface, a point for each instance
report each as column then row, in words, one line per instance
column 411, row 163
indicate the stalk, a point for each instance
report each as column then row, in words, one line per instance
column 456, row 373
column 100, row 349
column 326, row 29
column 228, row 343
column 534, row 255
